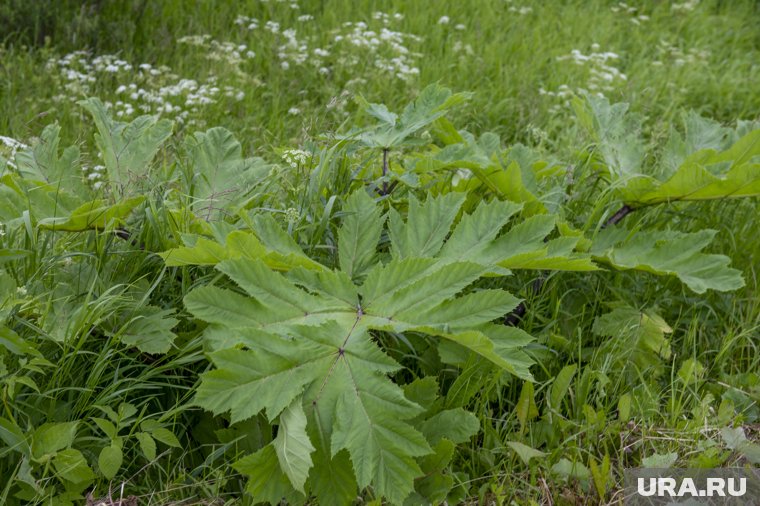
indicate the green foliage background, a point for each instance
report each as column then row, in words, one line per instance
column 353, row 286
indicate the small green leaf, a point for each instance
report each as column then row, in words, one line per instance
column 166, row 436
column 71, row 466
column 660, row 461
column 293, row 446
column 525, row 452
column 624, row 407
column 571, row 470
column 561, row 385
column 109, row 461
column 526, row 406
column 691, row 371
column 107, row 427
column 147, row 445
column 600, row 475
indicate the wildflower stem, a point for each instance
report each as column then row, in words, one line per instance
column 618, row 216
column 385, row 170
column 517, row 313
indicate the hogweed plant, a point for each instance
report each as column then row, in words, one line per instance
column 333, row 324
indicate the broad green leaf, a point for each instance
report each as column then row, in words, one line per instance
column 304, row 336
column 202, row 252
column 616, row 133
column 149, row 329
column 476, row 231
column 126, row 410
column 525, row 452
column 359, row 235
column 12, row 435
column 15, row 343
column 127, row 148
column 220, row 179
column 455, row 425
column 637, row 338
column 278, row 253
column 93, row 215
column 435, row 486
column 691, row 371
column 41, row 162
column 48, row 438
column 524, row 247
column 266, row 480
column 392, row 130
column 735, row 439
column 668, row 253
column 699, row 134
column 427, row 226
column 332, row 478
column 509, row 183
column 71, row 466
column 694, row 180
column 110, row 459
column 293, row 446
column 422, row 391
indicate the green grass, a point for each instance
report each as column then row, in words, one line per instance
column 74, row 291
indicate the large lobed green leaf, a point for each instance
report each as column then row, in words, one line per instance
column 127, row 148
column 219, row 178
column 307, row 344
column 668, row 253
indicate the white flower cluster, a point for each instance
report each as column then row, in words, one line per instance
column 669, row 53
column 94, row 175
column 292, row 215
column 601, row 75
column 464, row 50
column 11, row 147
column 247, row 22
column 522, row 11
column 140, row 89
column 233, row 54
column 79, row 71
column 296, row 157
column 2, row 229
column 387, row 47
column 353, row 45
column 635, row 17
column 687, row 6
